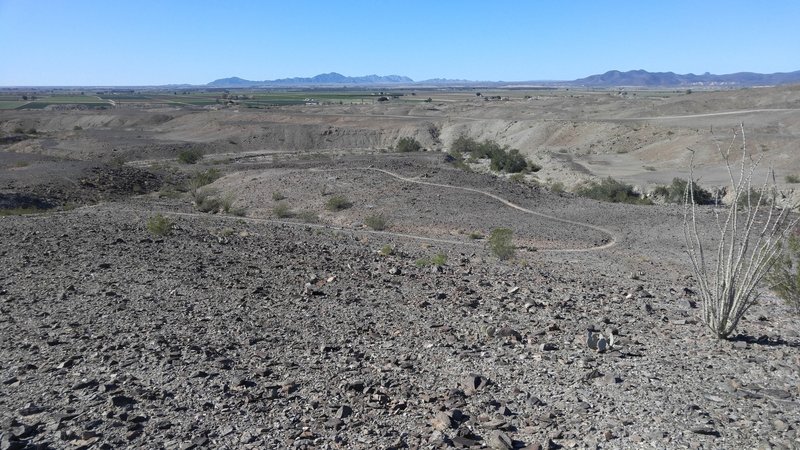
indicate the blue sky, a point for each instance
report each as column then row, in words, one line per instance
column 149, row 42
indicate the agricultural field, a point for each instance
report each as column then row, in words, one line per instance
column 10, row 104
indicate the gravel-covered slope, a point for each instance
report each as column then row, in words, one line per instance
column 240, row 333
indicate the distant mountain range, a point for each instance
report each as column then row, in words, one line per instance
column 322, row 79
column 670, row 79
column 612, row 78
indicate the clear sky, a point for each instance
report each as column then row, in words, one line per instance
column 150, row 42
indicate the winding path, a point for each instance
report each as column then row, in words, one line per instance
column 612, row 239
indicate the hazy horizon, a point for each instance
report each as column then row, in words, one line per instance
column 91, row 43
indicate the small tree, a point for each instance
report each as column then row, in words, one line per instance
column 747, row 245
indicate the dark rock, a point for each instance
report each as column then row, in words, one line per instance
column 344, row 411
column 499, row 441
column 122, row 400
column 706, row 431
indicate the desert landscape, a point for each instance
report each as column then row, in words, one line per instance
column 191, row 271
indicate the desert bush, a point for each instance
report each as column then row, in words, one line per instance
column 206, row 200
column 439, row 259
column 461, row 145
column 611, row 190
column 500, row 243
column 557, row 187
column 282, row 210
column 278, row 196
column 475, row 236
column 747, row 245
column 674, row 193
column 226, row 203
column 308, row 216
column 377, row 222
column 502, row 159
column 749, row 198
column 408, row 144
column 190, row 156
column 517, row 178
column 203, row 178
column 793, row 179
column 159, row 225
column 784, row 277
column 510, row 161
column 386, row 250
column 338, row 203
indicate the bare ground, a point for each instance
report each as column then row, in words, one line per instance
column 266, row 332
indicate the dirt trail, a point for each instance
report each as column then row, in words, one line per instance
column 612, row 238
column 725, row 113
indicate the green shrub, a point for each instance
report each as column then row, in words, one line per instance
column 502, row 159
column 557, row 187
column 784, row 277
column 475, row 236
column 226, row 203
column 205, row 200
column 408, row 144
column 203, row 178
column 338, row 203
column 386, row 250
column 510, row 161
column 377, row 222
column 675, row 192
column 190, row 156
column 500, row 243
column 422, row 262
column 278, row 196
column 750, row 197
column 159, row 225
column 517, row 178
column 611, row 190
column 793, row 179
column 281, row 210
column 439, row 259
